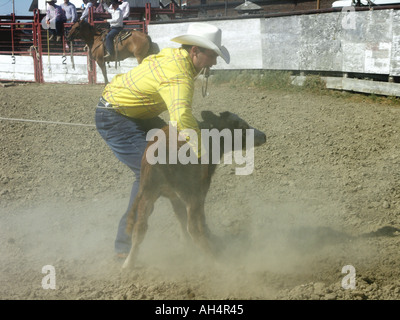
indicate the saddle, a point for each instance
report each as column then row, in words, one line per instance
column 121, row 36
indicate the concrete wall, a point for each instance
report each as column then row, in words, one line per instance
column 241, row 37
column 17, row 68
column 359, row 42
column 61, row 69
column 122, row 67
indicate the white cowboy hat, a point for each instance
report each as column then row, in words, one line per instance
column 206, row 36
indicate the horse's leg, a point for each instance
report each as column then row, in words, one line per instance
column 104, row 71
column 103, row 68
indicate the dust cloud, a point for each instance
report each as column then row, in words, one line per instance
column 325, row 176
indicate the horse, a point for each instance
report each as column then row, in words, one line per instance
column 138, row 45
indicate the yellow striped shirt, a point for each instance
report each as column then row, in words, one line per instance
column 164, row 81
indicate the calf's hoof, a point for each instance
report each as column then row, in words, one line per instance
column 128, row 264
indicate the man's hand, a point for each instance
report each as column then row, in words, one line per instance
column 48, row 21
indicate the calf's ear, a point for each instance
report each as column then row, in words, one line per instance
column 225, row 114
column 231, row 120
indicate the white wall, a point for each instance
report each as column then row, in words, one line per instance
column 360, row 42
column 365, row 42
column 122, row 67
column 17, row 68
column 369, row 43
column 61, row 69
column 240, row 37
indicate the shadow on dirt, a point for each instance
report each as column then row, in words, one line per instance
column 316, row 238
column 302, row 240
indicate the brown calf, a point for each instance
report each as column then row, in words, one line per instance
column 186, row 186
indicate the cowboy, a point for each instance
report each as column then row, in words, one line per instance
column 55, row 19
column 131, row 102
column 116, row 26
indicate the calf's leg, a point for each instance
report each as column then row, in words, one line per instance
column 181, row 214
column 197, row 227
column 145, row 206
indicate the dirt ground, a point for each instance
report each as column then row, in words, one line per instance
column 325, row 182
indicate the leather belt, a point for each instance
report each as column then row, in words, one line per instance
column 105, row 103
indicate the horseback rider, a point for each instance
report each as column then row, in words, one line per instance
column 116, row 25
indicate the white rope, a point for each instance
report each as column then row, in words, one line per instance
column 49, row 122
column 205, row 72
column 204, row 85
column 36, row 50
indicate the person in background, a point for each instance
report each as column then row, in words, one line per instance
column 95, row 4
column 70, row 11
column 125, row 8
column 98, row 15
column 85, row 13
column 55, row 19
column 116, row 26
column 99, row 8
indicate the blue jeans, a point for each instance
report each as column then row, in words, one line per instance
column 127, row 139
column 110, row 39
column 58, row 31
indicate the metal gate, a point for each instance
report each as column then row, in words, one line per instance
column 27, row 55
